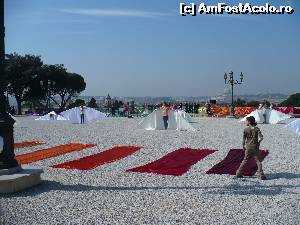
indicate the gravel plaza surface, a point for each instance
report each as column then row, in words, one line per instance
column 109, row 195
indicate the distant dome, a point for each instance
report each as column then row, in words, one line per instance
column 226, row 91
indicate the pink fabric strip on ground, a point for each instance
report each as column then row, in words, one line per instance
column 233, row 160
column 175, row 163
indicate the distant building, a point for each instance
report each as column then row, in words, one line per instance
column 108, row 103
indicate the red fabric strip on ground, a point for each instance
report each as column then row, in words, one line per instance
column 175, row 163
column 93, row 161
column 233, row 160
column 51, row 152
column 25, row 144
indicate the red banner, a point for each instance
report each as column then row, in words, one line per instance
column 51, row 152
column 28, row 144
column 287, row 110
column 93, row 161
column 244, row 111
column 175, row 163
column 232, row 161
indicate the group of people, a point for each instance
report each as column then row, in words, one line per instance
column 187, row 107
column 252, row 137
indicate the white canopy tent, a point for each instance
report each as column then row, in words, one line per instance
column 145, row 113
column 272, row 116
column 186, row 116
column 294, row 126
column 90, row 114
column 51, row 116
column 155, row 121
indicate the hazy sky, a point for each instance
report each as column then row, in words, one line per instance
column 143, row 47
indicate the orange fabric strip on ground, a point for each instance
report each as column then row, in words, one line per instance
column 93, row 161
column 25, row 144
column 51, row 152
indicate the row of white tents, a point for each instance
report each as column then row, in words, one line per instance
column 270, row 116
column 178, row 119
column 74, row 115
column 273, row 116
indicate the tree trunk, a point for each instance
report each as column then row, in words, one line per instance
column 19, row 107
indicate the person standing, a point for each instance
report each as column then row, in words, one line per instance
column 82, row 110
column 180, row 106
column 252, row 137
column 165, row 114
column 208, row 109
column 51, row 114
column 174, row 107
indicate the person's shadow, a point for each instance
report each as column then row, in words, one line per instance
column 243, row 186
column 283, row 175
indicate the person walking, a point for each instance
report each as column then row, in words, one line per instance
column 252, row 137
column 82, row 111
column 165, row 114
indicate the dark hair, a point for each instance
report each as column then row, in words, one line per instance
column 251, row 120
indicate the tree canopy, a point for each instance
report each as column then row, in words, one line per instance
column 293, row 100
column 28, row 79
column 20, row 72
column 62, row 84
column 92, row 103
column 77, row 103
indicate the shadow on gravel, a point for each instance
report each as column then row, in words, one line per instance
column 238, row 187
column 288, row 176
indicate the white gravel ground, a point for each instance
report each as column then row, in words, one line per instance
column 109, row 195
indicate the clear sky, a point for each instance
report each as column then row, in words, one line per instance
column 145, row 48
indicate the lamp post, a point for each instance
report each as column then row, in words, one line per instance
column 232, row 82
column 7, row 156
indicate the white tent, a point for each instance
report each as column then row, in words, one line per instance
column 51, row 116
column 90, row 114
column 272, row 116
column 145, row 113
column 186, row 116
column 294, row 126
column 155, row 121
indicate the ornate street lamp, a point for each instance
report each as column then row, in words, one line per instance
column 232, row 82
column 7, row 156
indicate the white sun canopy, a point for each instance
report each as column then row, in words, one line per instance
column 272, row 116
column 155, row 121
column 51, row 116
column 186, row 116
column 294, row 126
column 89, row 114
